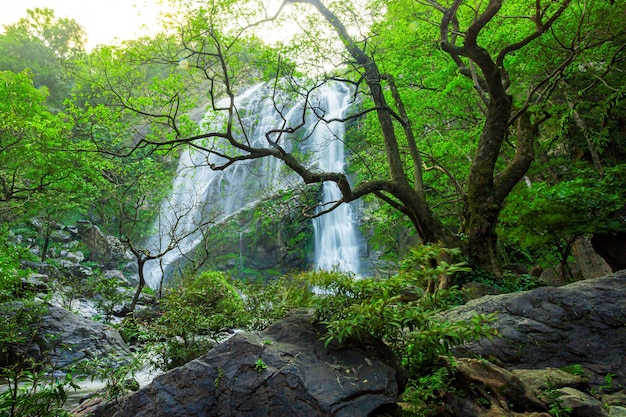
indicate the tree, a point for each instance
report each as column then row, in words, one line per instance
column 475, row 36
column 46, row 46
column 136, row 186
column 39, row 173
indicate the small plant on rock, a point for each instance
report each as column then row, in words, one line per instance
column 260, row 366
column 32, row 387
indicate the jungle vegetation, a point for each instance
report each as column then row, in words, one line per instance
column 492, row 131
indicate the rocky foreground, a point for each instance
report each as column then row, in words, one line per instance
column 286, row 371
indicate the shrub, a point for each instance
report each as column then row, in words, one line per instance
column 194, row 314
column 398, row 311
column 108, row 294
column 267, row 302
column 11, row 272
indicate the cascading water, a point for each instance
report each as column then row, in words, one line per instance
column 202, row 197
column 336, row 236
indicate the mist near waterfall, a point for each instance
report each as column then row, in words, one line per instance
column 202, row 197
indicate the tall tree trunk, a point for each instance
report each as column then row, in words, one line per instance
column 486, row 193
column 486, row 189
column 142, row 282
column 582, row 126
column 483, row 203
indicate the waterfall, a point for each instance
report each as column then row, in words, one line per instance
column 202, row 197
column 336, row 234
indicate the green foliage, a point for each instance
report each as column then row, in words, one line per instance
column 424, row 395
column 35, row 394
column 44, row 45
column 553, row 216
column 396, row 310
column 118, row 377
column 42, row 173
column 107, row 293
column 551, row 395
column 194, row 313
column 219, row 377
column 31, row 390
column 135, row 330
column 11, row 272
column 575, row 369
column 260, row 366
column 424, row 264
column 506, row 284
column 269, row 301
column 608, row 386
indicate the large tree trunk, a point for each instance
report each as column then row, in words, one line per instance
column 486, row 193
column 483, row 203
column 488, row 189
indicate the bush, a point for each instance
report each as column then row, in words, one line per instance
column 108, row 294
column 11, row 272
column 398, row 311
column 267, row 302
column 194, row 314
column 395, row 310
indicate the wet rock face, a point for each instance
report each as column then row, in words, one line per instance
column 582, row 323
column 282, row 371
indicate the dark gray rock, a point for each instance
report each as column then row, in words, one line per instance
column 582, row 323
column 70, row 338
column 58, row 338
column 282, row 371
column 42, row 268
column 36, row 282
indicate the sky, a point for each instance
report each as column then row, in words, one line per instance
column 103, row 21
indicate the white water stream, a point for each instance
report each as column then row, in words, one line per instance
column 202, row 197
column 336, row 236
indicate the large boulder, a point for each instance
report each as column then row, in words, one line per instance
column 104, row 249
column 583, row 323
column 282, row 371
column 68, row 338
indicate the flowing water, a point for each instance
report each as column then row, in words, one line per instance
column 202, row 197
column 336, row 235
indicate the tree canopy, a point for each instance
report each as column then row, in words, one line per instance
column 457, row 105
column 458, row 98
column 46, row 46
